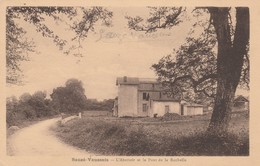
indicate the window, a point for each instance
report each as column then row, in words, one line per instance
column 145, row 108
column 146, row 96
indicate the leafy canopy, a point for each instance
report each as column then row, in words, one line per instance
column 190, row 71
column 78, row 19
column 70, row 98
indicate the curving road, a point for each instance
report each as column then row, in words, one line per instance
column 39, row 140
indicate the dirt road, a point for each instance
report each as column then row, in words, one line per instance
column 39, row 140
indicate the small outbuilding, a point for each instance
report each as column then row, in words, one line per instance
column 241, row 102
column 161, row 107
column 192, row 109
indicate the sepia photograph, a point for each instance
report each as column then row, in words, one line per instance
column 122, row 81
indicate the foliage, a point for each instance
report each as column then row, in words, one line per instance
column 28, row 107
column 197, row 68
column 41, row 105
column 70, row 98
column 89, row 18
column 12, row 114
column 18, row 46
column 105, row 105
column 192, row 70
column 160, row 17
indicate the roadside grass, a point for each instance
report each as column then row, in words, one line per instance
column 132, row 136
column 94, row 113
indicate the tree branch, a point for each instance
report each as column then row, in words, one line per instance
column 204, row 92
column 195, row 82
column 171, row 20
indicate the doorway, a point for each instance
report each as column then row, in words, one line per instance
column 182, row 109
column 167, row 109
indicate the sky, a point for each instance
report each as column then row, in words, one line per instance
column 108, row 53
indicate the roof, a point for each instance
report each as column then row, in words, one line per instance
column 194, row 105
column 241, row 98
column 153, row 86
column 135, row 81
column 162, row 97
column 166, row 100
column 148, row 80
column 127, row 81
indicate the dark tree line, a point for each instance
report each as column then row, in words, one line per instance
column 28, row 107
column 95, row 105
column 68, row 99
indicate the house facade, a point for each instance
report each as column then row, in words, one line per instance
column 140, row 97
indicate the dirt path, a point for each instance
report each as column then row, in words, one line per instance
column 39, row 140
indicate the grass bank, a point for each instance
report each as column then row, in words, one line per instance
column 110, row 136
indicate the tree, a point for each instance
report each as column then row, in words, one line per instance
column 18, row 46
column 105, row 105
column 108, row 104
column 28, row 107
column 11, row 105
column 229, row 62
column 71, row 98
column 25, row 97
column 193, row 70
column 40, row 104
column 232, row 48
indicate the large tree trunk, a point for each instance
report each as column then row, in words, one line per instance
column 229, row 63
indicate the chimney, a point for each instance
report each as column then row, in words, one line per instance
column 125, row 78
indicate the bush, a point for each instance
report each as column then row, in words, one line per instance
column 28, row 108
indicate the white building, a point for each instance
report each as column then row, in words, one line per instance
column 138, row 97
